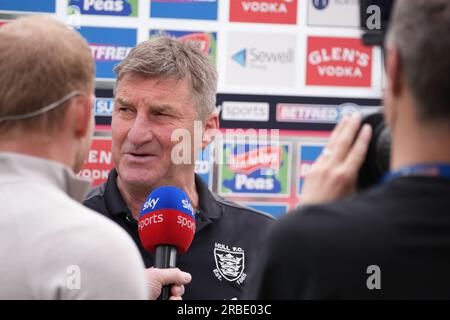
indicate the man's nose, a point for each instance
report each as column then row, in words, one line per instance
column 140, row 132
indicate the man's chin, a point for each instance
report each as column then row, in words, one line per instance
column 141, row 178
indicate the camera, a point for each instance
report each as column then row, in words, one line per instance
column 376, row 163
column 373, row 14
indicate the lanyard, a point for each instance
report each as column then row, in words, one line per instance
column 437, row 170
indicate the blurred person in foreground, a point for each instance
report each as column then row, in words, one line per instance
column 52, row 247
column 393, row 241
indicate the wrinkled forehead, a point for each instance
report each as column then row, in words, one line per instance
column 131, row 80
column 137, row 90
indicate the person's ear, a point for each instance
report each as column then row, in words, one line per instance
column 395, row 83
column 210, row 128
column 394, row 71
column 83, row 115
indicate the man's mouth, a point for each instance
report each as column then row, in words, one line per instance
column 139, row 154
column 136, row 157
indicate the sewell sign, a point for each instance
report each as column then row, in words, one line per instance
column 264, row 11
column 338, row 62
column 99, row 162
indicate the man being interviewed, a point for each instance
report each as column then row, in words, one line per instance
column 164, row 85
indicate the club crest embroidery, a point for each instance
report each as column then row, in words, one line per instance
column 230, row 263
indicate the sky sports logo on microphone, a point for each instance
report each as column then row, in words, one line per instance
column 151, row 203
column 187, row 205
column 150, row 220
column 186, row 223
column 167, row 217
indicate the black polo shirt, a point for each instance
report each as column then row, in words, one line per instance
column 390, row 242
column 225, row 246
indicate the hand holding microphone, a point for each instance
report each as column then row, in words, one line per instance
column 158, row 278
column 166, row 228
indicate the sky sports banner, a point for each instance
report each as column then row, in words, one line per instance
column 103, row 109
column 307, row 155
column 28, row 5
column 344, row 62
column 206, row 41
column 184, row 9
column 333, row 13
column 264, row 11
column 255, row 170
column 99, row 162
column 122, row 8
column 276, row 210
column 109, row 46
column 261, row 59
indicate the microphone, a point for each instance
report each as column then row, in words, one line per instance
column 166, row 227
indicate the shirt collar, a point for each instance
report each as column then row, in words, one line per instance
column 209, row 207
column 16, row 167
column 114, row 201
column 207, row 200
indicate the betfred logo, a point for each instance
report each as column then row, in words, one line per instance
column 109, row 46
column 264, row 11
column 338, row 62
column 109, row 53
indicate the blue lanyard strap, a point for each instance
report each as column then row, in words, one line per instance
column 437, row 170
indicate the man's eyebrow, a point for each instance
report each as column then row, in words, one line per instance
column 163, row 108
column 123, row 102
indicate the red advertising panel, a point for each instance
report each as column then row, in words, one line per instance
column 264, row 11
column 99, row 162
column 344, row 62
column 3, row 22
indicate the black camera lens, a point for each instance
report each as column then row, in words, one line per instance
column 376, row 163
